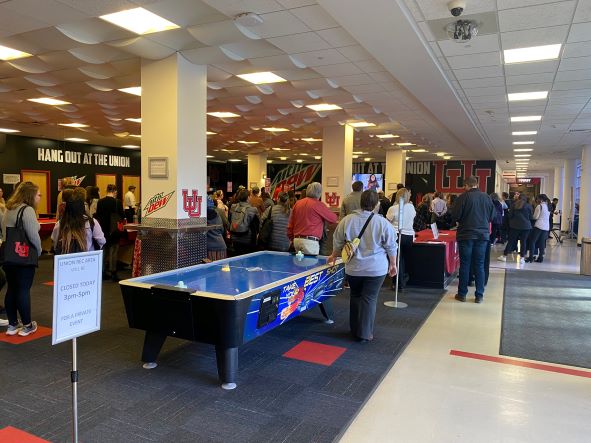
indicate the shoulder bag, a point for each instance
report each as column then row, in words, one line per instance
column 350, row 248
column 18, row 250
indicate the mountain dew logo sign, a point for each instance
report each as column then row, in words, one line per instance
column 157, row 202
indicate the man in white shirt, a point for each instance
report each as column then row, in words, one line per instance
column 129, row 204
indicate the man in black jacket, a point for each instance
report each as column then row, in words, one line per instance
column 474, row 211
column 109, row 212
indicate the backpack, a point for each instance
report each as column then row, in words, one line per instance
column 266, row 231
column 240, row 221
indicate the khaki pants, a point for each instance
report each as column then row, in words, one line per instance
column 308, row 247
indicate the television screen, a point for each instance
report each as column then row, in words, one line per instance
column 370, row 181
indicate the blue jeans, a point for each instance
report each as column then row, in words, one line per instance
column 472, row 254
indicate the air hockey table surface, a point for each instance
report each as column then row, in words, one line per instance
column 228, row 302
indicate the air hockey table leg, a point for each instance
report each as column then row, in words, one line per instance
column 327, row 311
column 227, row 360
column 153, row 342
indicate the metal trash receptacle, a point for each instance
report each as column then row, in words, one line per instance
column 586, row 256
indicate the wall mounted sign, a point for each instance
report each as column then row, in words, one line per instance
column 158, row 167
column 82, row 158
column 157, row 202
column 192, row 203
column 332, row 200
column 11, row 179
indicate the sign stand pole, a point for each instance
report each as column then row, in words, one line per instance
column 398, row 304
column 74, row 378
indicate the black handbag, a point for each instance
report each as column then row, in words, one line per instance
column 18, row 250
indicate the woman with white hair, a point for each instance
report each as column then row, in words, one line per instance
column 407, row 233
column 306, row 223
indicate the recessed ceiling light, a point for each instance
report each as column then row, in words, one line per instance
column 323, row 107
column 276, row 129
column 355, row 156
column 527, row 118
column 210, row 133
column 440, row 154
column 405, row 144
column 299, row 160
column 524, row 132
column 135, row 135
column 134, row 90
column 367, row 159
column 130, row 146
column 269, row 161
column 531, row 54
column 234, row 160
column 522, row 96
column 261, row 78
column 387, row 136
column 317, row 157
column 526, row 142
column 244, row 142
column 304, row 154
column 231, row 150
column 522, row 155
column 73, row 125
column 359, row 152
column 361, row 124
column 75, row 139
column 223, row 114
column 311, row 139
column 49, row 101
column 281, row 149
column 12, row 54
column 418, row 150
column 523, row 150
column 139, row 20
column 282, row 158
column 135, row 120
column 446, row 157
column 9, row 131
column 209, row 156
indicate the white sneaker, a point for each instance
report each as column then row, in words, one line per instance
column 502, row 258
column 522, row 260
column 26, row 330
column 13, row 330
column 3, row 322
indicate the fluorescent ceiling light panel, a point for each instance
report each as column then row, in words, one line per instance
column 49, row 101
column 524, row 132
column 209, row 156
column 261, row 78
column 135, row 120
column 134, row 90
column 12, row 54
column 440, row 154
column 282, row 158
column 446, row 157
column 367, row 159
column 527, row 142
column 234, row 160
column 269, row 161
column 522, row 96
column 522, row 155
column 531, row 54
column 405, row 144
column 73, row 125
column 223, row 114
column 281, row 149
column 523, row 150
column 418, row 150
column 299, row 160
column 244, row 142
column 276, row 129
column 359, row 152
column 361, row 124
column 9, row 131
column 317, row 157
column 75, row 139
column 387, row 136
column 135, row 135
column 130, row 146
column 323, row 107
column 210, row 133
column 140, row 21
column 355, row 156
column 311, row 139
column 527, row 118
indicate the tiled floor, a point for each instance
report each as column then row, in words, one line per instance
column 432, row 396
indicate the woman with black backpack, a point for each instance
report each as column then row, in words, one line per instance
column 273, row 234
column 244, row 225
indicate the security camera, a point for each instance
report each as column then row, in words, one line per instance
column 456, row 7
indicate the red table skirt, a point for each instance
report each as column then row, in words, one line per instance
column 452, row 255
column 46, row 226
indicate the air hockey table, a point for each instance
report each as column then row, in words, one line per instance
column 229, row 302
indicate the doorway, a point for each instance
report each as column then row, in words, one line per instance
column 41, row 179
column 102, row 180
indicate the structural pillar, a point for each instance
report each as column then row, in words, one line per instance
column 257, row 170
column 568, row 190
column 337, row 164
column 395, row 169
column 558, row 188
column 585, row 196
column 174, row 163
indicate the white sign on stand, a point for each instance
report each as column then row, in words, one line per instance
column 77, row 283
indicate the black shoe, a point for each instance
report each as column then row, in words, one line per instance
column 540, row 259
column 478, row 300
column 529, row 260
column 459, row 297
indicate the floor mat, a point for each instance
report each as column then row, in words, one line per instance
column 546, row 317
column 277, row 399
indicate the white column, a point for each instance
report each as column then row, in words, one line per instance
column 337, row 164
column 174, row 104
column 585, row 197
column 395, row 169
column 257, row 170
column 568, row 192
column 558, row 184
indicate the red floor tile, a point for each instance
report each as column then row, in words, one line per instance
column 13, row 435
column 42, row 331
column 315, row 353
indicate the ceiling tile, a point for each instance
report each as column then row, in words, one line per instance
column 288, row 4
column 534, row 37
column 483, row 43
column 580, row 32
column 355, row 53
column 280, row 23
column 322, row 58
column 570, row 64
column 49, row 11
column 583, row 12
column 483, row 72
column 478, row 92
column 337, row 37
column 581, row 74
column 483, row 82
column 436, row 9
column 235, row 7
column 315, row 17
column 546, row 77
column 581, row 49
column 531, row 68
column 308, row 41
column 536, row 16
column 475, row 60
column 98, row 8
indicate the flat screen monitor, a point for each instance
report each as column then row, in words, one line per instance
column 370, row 181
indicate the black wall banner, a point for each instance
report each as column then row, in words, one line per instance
column 65, row 159
column 448, row 176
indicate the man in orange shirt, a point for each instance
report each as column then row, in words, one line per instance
column 256, row 201
column 306, row 223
